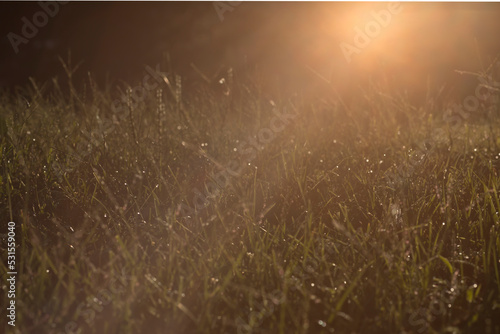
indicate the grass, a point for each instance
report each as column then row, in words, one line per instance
column 354, row 218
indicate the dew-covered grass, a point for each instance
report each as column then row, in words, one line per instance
column 355, row 217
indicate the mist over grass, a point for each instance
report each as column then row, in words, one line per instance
column 360, row 215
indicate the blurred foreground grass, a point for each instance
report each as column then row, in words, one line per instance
column 351, row 217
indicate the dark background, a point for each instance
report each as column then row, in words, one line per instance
column 115, row 40
column 120, row 38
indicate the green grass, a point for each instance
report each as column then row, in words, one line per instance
column 353, row 219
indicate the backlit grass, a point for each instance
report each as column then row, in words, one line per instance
column 354, row 218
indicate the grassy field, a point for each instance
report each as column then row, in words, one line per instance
column 237, row 211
